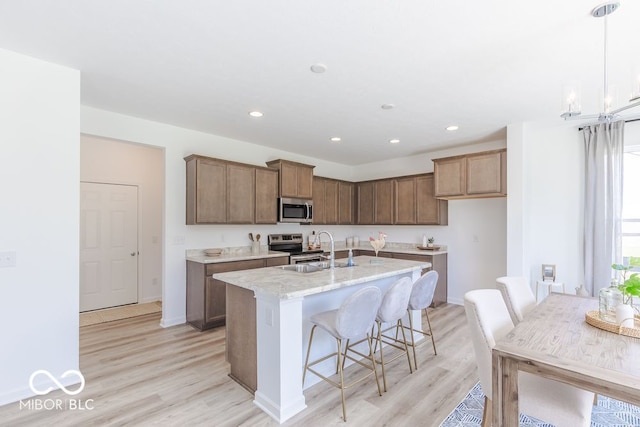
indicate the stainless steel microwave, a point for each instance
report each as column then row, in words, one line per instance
column 295, row 210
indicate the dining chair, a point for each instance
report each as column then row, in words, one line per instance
column 517, row 296
column 420, row 299
column 551, row 401
column 353, row 320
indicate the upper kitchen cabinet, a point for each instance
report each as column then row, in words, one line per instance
column 332, row 201
column 318, row 200
column 365, row 202
column 429, row 210
column 415, row 203
column 241, row 193
column 384, row 201
column 206, row 190
column 224, row 192
column 266, row 196
column 296, row 179
column 346, row 198
column 472, row 175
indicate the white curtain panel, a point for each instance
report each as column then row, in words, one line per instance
column 604, row 149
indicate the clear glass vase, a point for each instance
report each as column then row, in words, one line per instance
column 610, row 298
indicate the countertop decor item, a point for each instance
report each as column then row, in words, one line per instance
column 593, row 318
column 378, row 243
column 212, row 252
column 429, row 248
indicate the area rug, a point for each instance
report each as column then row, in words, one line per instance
column 119, row 313
column 607, row 413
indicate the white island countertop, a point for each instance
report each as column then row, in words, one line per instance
column 291, row 284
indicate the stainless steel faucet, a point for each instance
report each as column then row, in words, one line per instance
column 332, row 262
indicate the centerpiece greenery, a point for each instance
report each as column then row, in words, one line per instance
column 630, row 287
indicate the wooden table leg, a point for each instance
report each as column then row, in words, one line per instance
column 505, row 391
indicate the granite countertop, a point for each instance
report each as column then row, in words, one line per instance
column 241, row 253
column 290, row 284
column 390, row 247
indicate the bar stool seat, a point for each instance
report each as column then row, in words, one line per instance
column 392, row 308
column 421, row 298
column 353, row 320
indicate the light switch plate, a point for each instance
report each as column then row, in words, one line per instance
column 8, row 259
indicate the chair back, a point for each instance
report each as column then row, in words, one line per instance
column 517, row 296
column 423, row 290
column 395, row 301
column 357, row 313
column 488, row 321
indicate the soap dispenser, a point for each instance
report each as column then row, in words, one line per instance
column 350, row 259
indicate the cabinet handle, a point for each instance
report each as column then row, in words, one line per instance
column 133, row 254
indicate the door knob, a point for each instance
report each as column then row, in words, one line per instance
column 133, row 254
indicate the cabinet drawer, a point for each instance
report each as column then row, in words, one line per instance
column 224, row 267
column 272, row 262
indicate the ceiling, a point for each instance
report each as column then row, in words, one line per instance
column 204, row 64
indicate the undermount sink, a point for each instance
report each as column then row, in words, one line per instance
column 310, row 267
column 300, row 268
column 326, row 264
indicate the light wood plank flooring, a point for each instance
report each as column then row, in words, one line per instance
column 138, row 373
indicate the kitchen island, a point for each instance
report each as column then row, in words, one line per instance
column 268, row 311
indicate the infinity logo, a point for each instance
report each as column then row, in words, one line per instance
column 52, row 378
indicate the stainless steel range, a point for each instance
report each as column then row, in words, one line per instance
column 292, row 243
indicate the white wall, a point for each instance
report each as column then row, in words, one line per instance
column 39, row 208
column 548, row 203
column 110, row 161
column 485, row 219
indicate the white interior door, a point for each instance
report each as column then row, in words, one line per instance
column 108, row 245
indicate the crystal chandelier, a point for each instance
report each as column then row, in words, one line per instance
column 571, row 92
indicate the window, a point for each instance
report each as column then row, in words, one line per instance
column 631, row 208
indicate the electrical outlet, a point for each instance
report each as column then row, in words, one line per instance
column 8, row 259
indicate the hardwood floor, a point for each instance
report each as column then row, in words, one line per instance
column 138, row 373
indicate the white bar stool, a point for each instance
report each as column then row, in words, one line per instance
column 549, row 284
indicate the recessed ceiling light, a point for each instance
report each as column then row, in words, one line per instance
column 256, row 114
column 387, row 106
column 318, row 68
column 452, row 128
column 394, row 140
column 336, row 139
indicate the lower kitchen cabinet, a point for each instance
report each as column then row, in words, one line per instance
column 438, row 263
column 206, row 305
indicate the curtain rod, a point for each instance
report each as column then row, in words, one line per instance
column 626, row 121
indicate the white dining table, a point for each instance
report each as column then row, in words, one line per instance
column 554, row 341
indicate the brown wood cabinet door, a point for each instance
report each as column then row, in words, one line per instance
column 450, row 177
column 365, row 203
column 215, row 301
column 331, row 201
column 305, row 182
column 241, row 194
column 383, row 208
column 266, row 196
column 211, row 190
column 345, row 202
column 288, row 180
column 429, row 210
column 484, row 173
column 405, row 200
column 318, row 200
